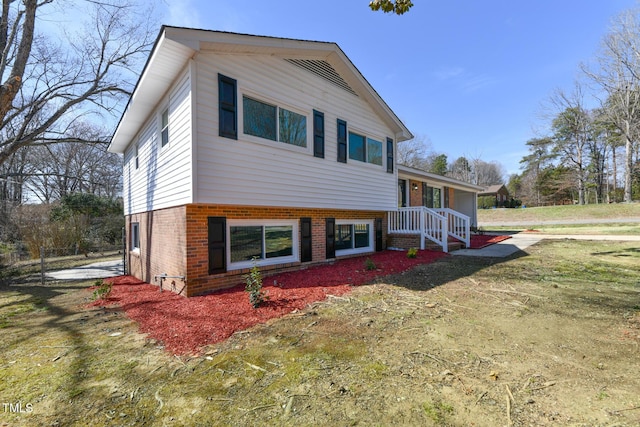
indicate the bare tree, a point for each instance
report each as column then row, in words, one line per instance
column 461, row 169
column 618, row 75
column 488, row 173
column 50, row 83
column 74, row 167
column 12, row 176
column 415, row 153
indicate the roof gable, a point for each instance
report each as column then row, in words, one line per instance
column 176, row 45
column 493, row 189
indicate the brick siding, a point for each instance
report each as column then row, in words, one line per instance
column 175, row 241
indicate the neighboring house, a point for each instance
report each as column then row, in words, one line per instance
column 493, row 196
column 244, row 150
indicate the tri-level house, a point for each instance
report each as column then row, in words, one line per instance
column 243, row 150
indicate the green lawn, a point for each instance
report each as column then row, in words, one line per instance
column 568, row 212
column 542, row 219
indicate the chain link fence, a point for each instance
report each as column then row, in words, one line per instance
column 17, row 260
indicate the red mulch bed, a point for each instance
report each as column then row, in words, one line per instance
column 479, row 241
column 185, row 325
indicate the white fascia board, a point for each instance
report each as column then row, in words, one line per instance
column 407, row 172
column 166, row 61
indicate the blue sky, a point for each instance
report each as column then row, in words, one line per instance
column 469, row 76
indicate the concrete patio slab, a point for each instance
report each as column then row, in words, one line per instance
column 97, row 270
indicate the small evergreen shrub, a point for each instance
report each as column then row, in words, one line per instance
column 253, row 286
column 369, row 264
column 412, row 253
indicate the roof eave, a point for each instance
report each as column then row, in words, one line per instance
column 152, row 85
column 452, row 182
column 176, row 45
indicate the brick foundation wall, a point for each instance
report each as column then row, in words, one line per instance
column 403, row 241
column 175, row 241
column 162, row 245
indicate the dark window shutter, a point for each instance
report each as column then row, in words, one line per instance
column 227, row 107
column 331, row 237
column 342, row 141
column 217, row 244
column 446, row 197
column 390, row 159
column 306, row 240
column 318, row 134
column 378, row 234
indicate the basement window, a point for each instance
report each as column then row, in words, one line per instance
column 262, row 243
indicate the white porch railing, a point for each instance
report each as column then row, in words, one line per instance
column 420, row 220
column 458, row 225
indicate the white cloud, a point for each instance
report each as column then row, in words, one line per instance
column 475, row 83
column 466, row 81
column 446, row 73
column 207, row 14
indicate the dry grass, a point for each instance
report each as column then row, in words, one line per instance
column 550, row 337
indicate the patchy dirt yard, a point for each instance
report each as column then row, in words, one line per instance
column 550, row 337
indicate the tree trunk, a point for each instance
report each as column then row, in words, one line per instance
column 628, row 165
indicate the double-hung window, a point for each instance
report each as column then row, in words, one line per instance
column 274, row 123
column 268, row 242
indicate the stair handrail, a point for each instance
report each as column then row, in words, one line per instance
column 459, row 225
column 420, row 220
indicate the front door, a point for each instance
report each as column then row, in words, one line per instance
column 402, row 193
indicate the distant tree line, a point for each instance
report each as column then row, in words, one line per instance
column 587, row 150
column 417, row 153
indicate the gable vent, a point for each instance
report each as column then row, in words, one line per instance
column 324, row 70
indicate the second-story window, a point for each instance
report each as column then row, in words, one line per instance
column 164, row 129
column 365, row 149
column 274, row 123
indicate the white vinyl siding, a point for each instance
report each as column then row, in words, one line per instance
column 163, row 177
column 250, row 172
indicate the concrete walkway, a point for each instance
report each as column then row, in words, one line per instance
column 521, row 241
column 97, row 270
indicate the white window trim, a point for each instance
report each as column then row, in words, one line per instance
column 135, row 249
column 367, row 136
column 439, row 187
column 295, row 257
column 355, row 251
column 136, row 155
column 278, row 104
